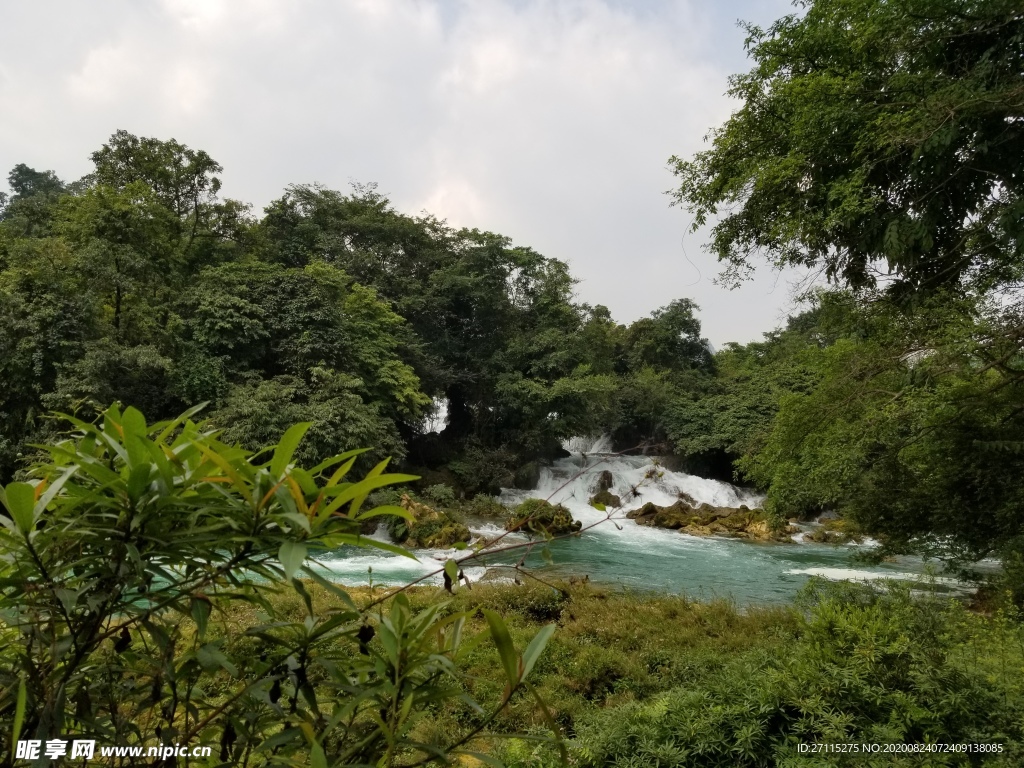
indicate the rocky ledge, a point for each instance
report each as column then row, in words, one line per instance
column 707, row 520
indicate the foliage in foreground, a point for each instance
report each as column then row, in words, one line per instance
column 654, row 680
column 131, row 541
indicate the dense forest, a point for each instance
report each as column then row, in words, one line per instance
column 185, row 384
column 138, row 285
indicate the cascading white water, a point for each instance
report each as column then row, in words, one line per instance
column 615, row 550
column 588, row 446
column 636, row 480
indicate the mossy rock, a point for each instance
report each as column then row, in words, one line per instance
column 708, row 520
column 834, row 530
column 684, row 496
column 674, row 517
column 540, row 516
column 605, row 497
column 429, row 529
column 437, row 535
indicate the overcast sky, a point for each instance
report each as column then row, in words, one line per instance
column 550, row 122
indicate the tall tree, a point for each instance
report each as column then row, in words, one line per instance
column 876, row 139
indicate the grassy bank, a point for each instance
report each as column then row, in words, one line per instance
column 664, row 681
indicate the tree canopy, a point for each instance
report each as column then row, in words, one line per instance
column 139, row 285
column 879, row 140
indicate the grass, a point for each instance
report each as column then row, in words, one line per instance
column 644, row 680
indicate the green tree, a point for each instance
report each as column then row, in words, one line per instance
column 875, row 139
column 669, row 339
column 304, row 344
column 493, row 328
column 732, row 414
column 914, row 431
column 661, row 360
column 29, row 210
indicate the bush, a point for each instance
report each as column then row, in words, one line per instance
column 482, row 505
column 129, row 551
column 865, row 667
column 440, row 494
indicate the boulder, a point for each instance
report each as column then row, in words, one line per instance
column 689, row 499
column 527, row 476
column 834, row 530
column 677, row 516
column 429, row 529
column 605, row 481
column 543, row 517
column 605, row 497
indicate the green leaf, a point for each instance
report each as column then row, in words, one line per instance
column 200, row 610
column 19, row 711
column 292, row 555
column 535, row 649
column 168, row 427
column 210, row 658
column 286, row 447
column 552, row 723
column 317, row 758
column 362, row 489
column 394, row 549
column 20, row 500
column 138, row 480
column 387, row 509
column 306, row 597
column 53, row 489
column 68, row 598
column 328, row 463
column 506, row 650
column 451, row 574
column 598, row 506
column 334, row 589
column 133, row 422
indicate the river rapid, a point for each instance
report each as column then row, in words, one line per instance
column 615, row 551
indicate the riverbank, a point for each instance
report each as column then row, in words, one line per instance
column 649, row 680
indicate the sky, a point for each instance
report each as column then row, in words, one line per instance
column 549, row 121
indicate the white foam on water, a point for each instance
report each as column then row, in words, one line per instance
column 391, row 570
column 854, row 574
column 636, row 480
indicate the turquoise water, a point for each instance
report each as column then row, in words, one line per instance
column 619, row 553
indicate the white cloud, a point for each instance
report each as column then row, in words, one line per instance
column 104, row 74
column 547, row 121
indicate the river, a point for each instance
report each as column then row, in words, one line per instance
column 619, row 553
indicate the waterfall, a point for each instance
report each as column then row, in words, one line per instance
column 617, row 551
column 588, row 445
column 636, row 480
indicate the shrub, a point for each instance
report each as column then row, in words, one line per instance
column 440, row 494
column 865, row 667
column 119, row 563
